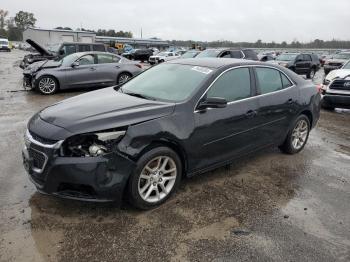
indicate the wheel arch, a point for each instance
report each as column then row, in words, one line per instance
column 309, row 116
column 176, row 147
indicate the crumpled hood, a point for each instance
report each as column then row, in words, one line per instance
column 38, row 48
column 32, row 68
column 103, row 109
column 339, row 73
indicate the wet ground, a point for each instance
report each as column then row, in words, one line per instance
column 266, row 207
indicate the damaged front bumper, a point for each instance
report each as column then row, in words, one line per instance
column 98, row 179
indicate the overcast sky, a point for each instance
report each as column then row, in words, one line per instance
column 235, row 20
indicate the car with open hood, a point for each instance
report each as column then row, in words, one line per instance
column 336, row 88
column 336, row 61
column 58, row 51
column 180, row 118
column 79, row 70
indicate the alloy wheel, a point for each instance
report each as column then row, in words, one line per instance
column 47, row 85
column 312, row 74
column 299, row 134
column 157, row 179
column 123, row 78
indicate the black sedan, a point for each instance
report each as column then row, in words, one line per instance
column 176, row 119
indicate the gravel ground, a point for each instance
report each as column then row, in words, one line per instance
column 265, row 207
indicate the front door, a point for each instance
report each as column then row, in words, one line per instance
column 223, row 133
column 84, row 74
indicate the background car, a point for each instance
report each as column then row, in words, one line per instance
column 79, row 70
column 336, row 88
column 229, row 53
column 336, row 61
column 58, row 51
column 5, row 45
column 300, row 63
column 163, row 57
column 139, row 54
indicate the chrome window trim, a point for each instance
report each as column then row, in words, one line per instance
column 244, row 99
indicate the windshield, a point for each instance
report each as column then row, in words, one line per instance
column 344, row 56
column 69, row 59
column 286, row 57
column 347, row 65
column 169, row 82
column 189, row 55
column 4, row 42
column 53, row 48
column 209, row 53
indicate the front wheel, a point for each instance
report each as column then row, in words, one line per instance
column 157, row 175
column 297, row 136
column 47, row 85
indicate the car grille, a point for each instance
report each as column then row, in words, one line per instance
column 43, row 140
column 39, row 158
column 340, row 85
column 335, row 64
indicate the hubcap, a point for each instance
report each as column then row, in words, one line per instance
column 299, row 134
column 47, row 85
column 157, row 179
column 312, row 73
column 123, row 78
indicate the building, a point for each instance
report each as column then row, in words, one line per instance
column 47, row 37
column 135, row 42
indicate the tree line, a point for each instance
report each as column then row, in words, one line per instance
column 13, row 27
column 317, row 43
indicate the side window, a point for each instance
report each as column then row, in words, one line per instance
column 104, row 58
column 69, row 49
column 84, row 48
column 236, row 54
column 300, row 58
column 225, row 54
column 115, row 59
column 170, row 54
column 285, row 81
column 86, row 60
column 249, row 53
column 100, row 48
column 232, row 85
column 269, row 80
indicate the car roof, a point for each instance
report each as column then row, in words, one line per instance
column 81, row 43
column 93, row 53
column 213, row 62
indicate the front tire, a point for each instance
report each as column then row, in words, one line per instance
column 156, row 176
column 297, row 136
column 47, row 85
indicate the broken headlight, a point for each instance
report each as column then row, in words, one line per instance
column 92, row 144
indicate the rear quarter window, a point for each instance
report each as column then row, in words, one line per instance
column 100, row 48
column 271, row 80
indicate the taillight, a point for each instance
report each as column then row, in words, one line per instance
column 319, row 88
column 138, row 65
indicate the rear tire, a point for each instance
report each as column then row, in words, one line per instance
column 123, row 78
column 311, row 74
column 297, row 136
column 156, row 177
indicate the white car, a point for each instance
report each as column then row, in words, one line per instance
column 4, row 44
column 163, row 57
column 336, row 88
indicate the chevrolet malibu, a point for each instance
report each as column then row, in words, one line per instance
column 181, row 118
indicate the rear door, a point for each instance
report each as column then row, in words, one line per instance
column 223, row 133
column 277, row 97
column 237, row 54
column 108, row 67
column 301, row 65
column 83, row 75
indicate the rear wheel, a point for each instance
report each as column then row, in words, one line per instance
column 47, row 85
column 122, row 78
column 156, row 177
column 311, row 74
column 297, row 136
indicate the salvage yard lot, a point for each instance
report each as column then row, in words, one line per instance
column 269, row 206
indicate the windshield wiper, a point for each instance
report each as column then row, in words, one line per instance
column 139, row 95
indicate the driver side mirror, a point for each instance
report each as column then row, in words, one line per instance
column 61, row 52
column 75, row 64
column 212, row 102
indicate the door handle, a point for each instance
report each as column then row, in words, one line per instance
column 92, row 69
column 250, row 114
column 117, row 66
column 290, row 101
